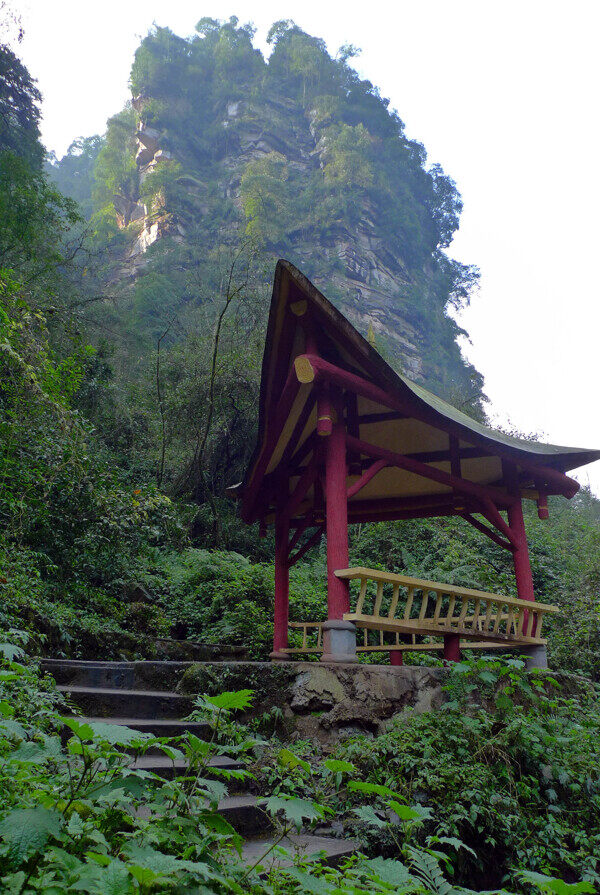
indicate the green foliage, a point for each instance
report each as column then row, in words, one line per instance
column 502, row 785
column 509, row 767
column 115, row 171
column 19, row 110
column 81, row 818
column 74, row 174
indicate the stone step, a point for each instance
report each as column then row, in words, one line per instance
column 158, row 727
column 146, row 675
column 187, row 650
column 241, row 811
column 104, row 702
column 167, row 768
column 244, row 814
column 304, row 844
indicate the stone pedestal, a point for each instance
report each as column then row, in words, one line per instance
column 535, row 656
column 339, row 641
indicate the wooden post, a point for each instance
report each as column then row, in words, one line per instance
column 338, row 595
column 452, row 647
column 396, row 657
column 282, row 587
column 521, row 552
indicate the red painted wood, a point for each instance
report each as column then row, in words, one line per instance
column 521, row 553
column 399, row 515
column 325, row 412
column 384, row 417
column 280, row 415
column 353, row 428
column 483, row 492
column 414, row 501
column 521, row 562
column 297, row 432
column 455, row 465
column 307, row 479
column 484, row 529
column 282, row 585
column 542, row 506
column 344, row 379
column 366, row 477
column 305, row 448
column 338, row 598
column 490, row 511
column 304, row 523
column 452, row 647
column 396, row 657
column 311, row 542
column 559, row 482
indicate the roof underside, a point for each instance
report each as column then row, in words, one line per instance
column 423, row 433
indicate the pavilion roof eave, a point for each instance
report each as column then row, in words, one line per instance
column 442, row 414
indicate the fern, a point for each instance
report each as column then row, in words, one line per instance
column 427, row 869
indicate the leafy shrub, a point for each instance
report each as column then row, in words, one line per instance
column 515, row 778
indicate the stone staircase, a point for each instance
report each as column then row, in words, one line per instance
column 142, row 695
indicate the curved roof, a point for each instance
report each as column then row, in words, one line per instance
column 421, row 431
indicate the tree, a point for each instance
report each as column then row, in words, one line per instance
column 19, row 110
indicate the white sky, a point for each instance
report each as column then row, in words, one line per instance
column 503, row 94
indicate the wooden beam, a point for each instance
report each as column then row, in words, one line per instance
column 353, row 428
column 386, row 416
column 366, row 477
column 344, row 379
column 311, row 542
column 305, row 523
column 490, row 511
column 304, row 484
column 282, row 411
column 486, row 530
column 463, row 486
column 400, row 515
column 297, row 431
column 455, row 458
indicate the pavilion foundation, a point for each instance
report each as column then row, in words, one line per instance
column 535, row 656
column 339, row 641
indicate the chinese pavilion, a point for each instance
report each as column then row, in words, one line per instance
column 342, row 439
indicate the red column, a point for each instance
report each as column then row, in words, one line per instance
column 521, row 552
column 338, row 599
column 396, row 657
column 282, row 586
column 452, row 648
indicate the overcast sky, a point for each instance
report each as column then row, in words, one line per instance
column 503, row 94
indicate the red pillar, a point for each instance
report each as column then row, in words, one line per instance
column 338, row 597
column 521, row 552
column 520, row 549
column 452, row 647
column 282, row 586
column 396, row 657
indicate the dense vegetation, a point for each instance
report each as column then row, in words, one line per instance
column 478, row 792
column 127, row 403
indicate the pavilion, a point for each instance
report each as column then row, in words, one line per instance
column 344, row 439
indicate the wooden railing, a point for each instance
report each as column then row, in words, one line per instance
column 412, row 615
column 312, row 641
column 405, row 605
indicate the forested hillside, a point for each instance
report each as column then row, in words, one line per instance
column 134, row 286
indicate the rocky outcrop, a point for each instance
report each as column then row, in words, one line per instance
column 326, row 702
column 359, row 270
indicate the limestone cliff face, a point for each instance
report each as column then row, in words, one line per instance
column 358, row 269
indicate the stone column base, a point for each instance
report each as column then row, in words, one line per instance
column 535, row 656
column 279, row 656
column 339, row 641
